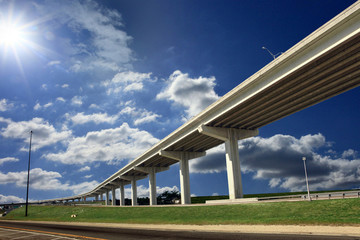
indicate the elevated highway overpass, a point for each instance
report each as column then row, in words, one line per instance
column 323, row 65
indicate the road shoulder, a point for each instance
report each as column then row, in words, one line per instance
column 264, row 229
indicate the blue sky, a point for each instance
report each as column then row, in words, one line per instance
column 100, row 82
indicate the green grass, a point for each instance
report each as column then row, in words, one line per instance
column 203, row 199
column 324, row 212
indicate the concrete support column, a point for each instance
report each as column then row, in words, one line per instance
column 96, row 197
column 133, row 192
column 183, row 158
column 113, row 197
column 122, row 195
column 233, row 166
column 185, row 181
column 107, row 202
column 152, row 180
column 102, row 197
column 231, row 136
column 152, row 187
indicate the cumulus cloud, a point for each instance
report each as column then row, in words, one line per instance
column 278, row 159
column 194, row 94
column 60, row 99
column 48, row 105
column 77, row 101
column 126, row 82
column 38, row 106
column 349, row 153
column 44, row 134
column 94, row 106
column 84, row 169
column 143, row 191
column 97, row 118
column 44, row 180
column 8, row 159
column 140, row 116
column 109, row 145
column 65, row 85
column 10, row 199
column 105, row 44
column 5, row 105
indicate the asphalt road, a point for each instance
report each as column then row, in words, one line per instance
column 95, row 232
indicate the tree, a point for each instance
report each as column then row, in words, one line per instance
column 168, row 197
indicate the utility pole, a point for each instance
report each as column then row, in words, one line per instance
column 28, row 178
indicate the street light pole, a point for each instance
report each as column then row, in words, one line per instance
column 28, row 177
column 306, row 178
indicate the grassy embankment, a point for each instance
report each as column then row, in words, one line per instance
column 325, row 212
column 202, row 199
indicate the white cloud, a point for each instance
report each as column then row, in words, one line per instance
column 52, row 63
column 60, row 99
column 126, row 81
column 143, row 191
column 140, row 115
column 94, row 106
column 40, row 179
column 88, row 176
column 194, row 94
column 133, row 87
column 48, row 105
column 44, row 134
column 84, row 169
column 81, row 187
column 8, row 159
column 5, row 106
column 77, row 101
column 161, row 190
column 109, row 145
column 37, row 106
column 105, row 47
column 349, row 153
column 97, row 118
column 65, row 86
column 278, row 159
column 10, row 199
column 44, row 180
column 274, row 182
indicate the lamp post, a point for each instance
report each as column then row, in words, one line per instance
column 306, row 178
column 273, row 55
column 28, row 177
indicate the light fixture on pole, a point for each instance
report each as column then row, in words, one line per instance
column 306, row 178
column 28, row 177
column 273, row 55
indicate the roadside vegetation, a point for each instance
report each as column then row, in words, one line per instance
column 322, row 212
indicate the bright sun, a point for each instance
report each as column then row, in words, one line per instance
column 10, row 34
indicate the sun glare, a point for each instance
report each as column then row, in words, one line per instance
column 10, row 34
